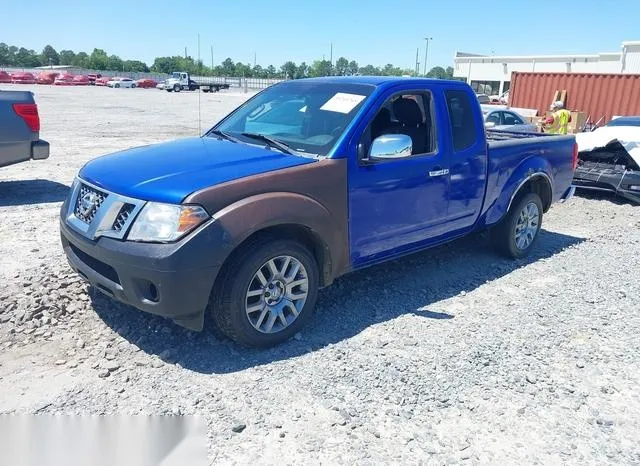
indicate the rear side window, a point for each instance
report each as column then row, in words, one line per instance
column 463, row 125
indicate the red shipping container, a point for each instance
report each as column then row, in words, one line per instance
column 596, row 95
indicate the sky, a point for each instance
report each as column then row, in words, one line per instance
column 369, row 31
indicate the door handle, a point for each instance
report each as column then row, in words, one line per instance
column 439, row 172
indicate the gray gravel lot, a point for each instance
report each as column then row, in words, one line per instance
column 450, row 356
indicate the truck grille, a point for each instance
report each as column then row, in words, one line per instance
column 122, row 217
column 88, row 203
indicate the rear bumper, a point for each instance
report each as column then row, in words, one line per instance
column 568, row 194
column 170, row 280
column 39, row 150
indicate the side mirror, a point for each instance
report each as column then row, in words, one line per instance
column 490, row 124
column 391, row 146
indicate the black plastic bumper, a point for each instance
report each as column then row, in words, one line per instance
column 607, row 177
column 170, row 280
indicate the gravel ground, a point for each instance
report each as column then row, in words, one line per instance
column 449, row 356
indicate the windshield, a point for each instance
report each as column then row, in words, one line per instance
column 175, row 75
column 307, row 116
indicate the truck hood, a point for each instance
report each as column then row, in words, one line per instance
column 168, row 172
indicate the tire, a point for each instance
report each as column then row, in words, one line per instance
column 176, row 87
column 117, row 85
column 230, row 298
column 133, row 86
column 506, row 237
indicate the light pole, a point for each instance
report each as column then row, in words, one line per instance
column 426, row 53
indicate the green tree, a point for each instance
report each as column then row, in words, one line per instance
column 135, row 65
column 243, row 70
column 289, row 69
column 49, row 56
column 98, row 60
column 353, row 69
column 114, row 63
column 370, row 70
column 81, row 59
column 321, row 68
column 302, row 71
column 6, row 57
column 438, row 72
column 27, row 58
column 166, row 64
column 449, row 71
column 342, row 66
column 271, row 71
column 67, row 57
column 258, row 72
column 228, row 67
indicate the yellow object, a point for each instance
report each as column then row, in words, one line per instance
column 560, row 122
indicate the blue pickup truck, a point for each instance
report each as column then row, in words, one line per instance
column 306, row 181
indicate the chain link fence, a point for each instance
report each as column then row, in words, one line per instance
column 234, row 82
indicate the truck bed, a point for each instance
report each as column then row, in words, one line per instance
column 510, row 153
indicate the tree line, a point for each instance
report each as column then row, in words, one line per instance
column 20, row 57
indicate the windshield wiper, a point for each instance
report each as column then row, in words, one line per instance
column 224, row 135
column 273, row 142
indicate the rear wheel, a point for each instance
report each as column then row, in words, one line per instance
column 267, row 293
column 117, row 85
column 516, row 235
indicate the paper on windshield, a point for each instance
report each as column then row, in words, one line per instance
column 342, row 102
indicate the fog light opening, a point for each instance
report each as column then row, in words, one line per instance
column 152, row 293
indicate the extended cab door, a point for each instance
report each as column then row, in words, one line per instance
column 398, row 204
column 468, row 163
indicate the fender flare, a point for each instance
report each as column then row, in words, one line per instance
column 250, row 215
column 529, row 169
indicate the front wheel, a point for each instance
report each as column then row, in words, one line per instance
column 267, row 293
column 516, row 235
column 176, row 87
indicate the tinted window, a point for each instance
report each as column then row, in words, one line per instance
column 463, row 125
column 493, row 118
column 511, row 119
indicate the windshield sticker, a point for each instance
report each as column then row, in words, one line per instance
column 342, row 102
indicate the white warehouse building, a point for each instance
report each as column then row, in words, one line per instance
column 491, row 74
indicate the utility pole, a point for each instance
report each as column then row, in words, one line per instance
column 212, row 60
column 426, row 54
column 331, row 60
column 417, row 62
column 185, row 53
column 254, row 59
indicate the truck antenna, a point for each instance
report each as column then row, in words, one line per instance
column 199, row 90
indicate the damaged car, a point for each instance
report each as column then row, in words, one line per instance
column 609, row 159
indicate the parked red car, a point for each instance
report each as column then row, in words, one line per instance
column 146, row 83
column 80, row 80
column 5, row 77
column 102, row 81
column 47, row 77
column 64, row 79
column 92, row 78
column 23, row 78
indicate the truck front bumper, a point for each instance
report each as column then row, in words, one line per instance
column 171, row 280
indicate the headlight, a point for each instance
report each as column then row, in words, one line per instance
column 165, row 222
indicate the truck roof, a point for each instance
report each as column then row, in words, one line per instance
column 378, row 80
